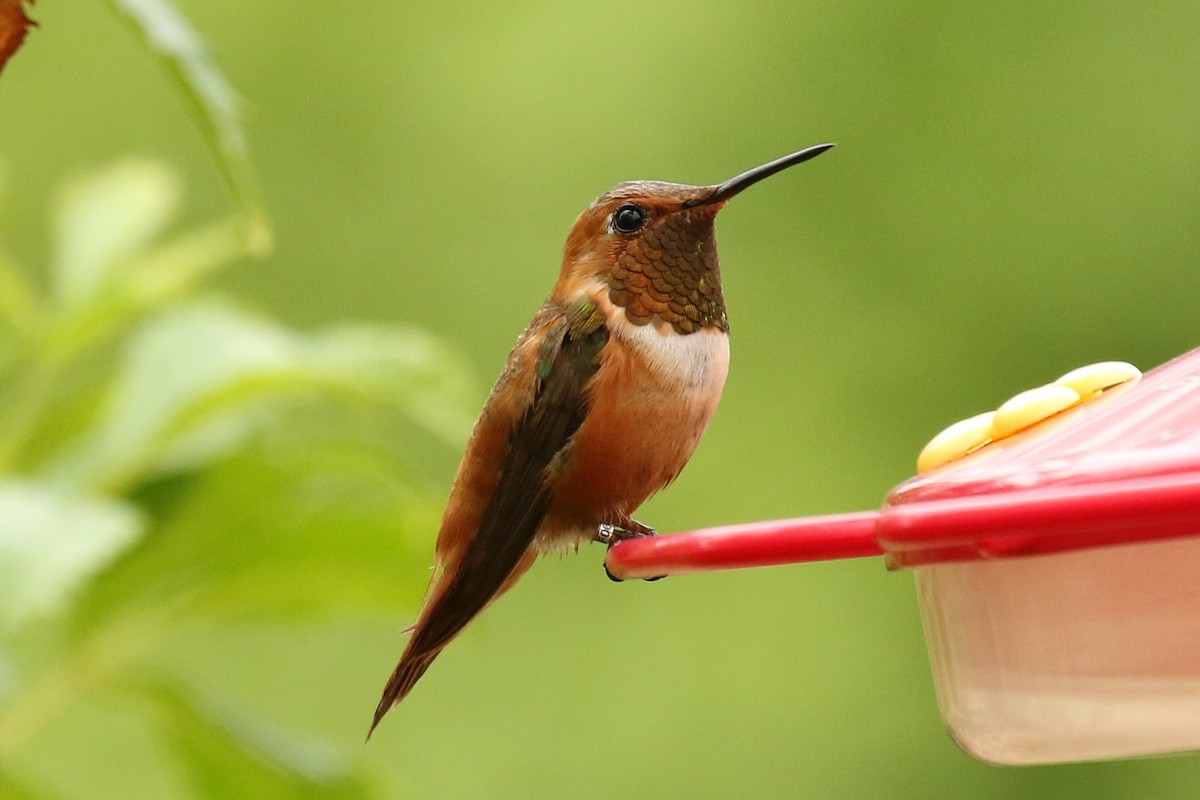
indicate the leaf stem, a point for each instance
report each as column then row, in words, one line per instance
column 167, row 35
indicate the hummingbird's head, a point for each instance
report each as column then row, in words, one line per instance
column 654, row 245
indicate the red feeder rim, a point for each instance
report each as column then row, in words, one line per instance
column 1121, row 469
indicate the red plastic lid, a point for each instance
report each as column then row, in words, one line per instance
column 1120, row 469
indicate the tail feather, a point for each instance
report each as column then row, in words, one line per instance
column 447, row 611
column 404, row 678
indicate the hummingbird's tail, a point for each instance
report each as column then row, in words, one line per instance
column 451, row 605
column 407, row 673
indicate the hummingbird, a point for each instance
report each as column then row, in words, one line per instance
column 600, row 405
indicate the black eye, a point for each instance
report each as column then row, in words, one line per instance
column 629, row 218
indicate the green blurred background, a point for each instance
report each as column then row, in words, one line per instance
column 1014, row 194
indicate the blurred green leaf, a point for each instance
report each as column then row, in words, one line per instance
column 308, row 524
column 104, row 219
column 255, row 471
column 262, row 530
column 106, row 275
column 312, row 540
column 418, row 372
column 51, row 542
column 195, row 370
column 167, row 34
column 228, row 752
column 111, row 283
column 170, row 270
column 197, row 380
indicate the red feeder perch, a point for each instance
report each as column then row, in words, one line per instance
column 1058, row 574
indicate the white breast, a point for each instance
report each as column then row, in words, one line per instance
column 691, row 362
column 694, row 363
column 650, row 402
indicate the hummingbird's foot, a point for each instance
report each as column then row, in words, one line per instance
column 609, row 534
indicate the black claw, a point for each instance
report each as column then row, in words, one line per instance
column 610, row 534
column 615, row 579
column 639, row 530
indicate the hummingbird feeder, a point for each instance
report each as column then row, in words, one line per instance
column 1057, row 569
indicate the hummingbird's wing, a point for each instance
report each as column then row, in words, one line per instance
column 521, row 499
column 568, row 359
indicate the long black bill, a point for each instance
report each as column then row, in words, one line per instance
column 732, row 186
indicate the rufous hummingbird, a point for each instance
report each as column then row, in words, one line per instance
column 602, row 402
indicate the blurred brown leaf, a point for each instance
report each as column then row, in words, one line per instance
column 13, row 27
